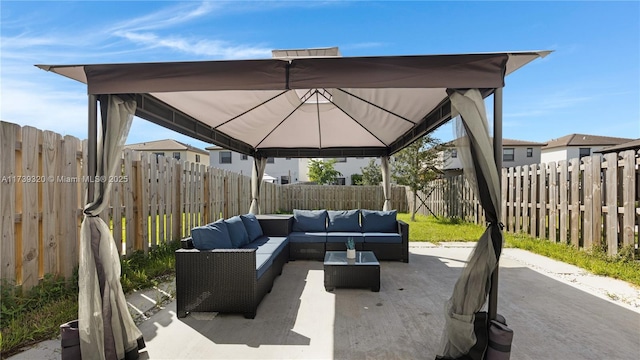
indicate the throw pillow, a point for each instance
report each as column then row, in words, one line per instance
column 309, row 220
column 348, row 220
column 251, row 223
column 379, row 221
column 237, row 232
column 211, row 236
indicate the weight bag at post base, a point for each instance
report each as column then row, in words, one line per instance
column 70, row 341
column 500, row 338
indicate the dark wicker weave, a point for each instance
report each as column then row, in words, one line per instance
column 225, row 280
column 351, row 275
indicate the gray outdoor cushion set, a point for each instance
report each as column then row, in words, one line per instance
column 228, row 266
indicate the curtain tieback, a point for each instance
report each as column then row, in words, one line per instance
column 500, row 225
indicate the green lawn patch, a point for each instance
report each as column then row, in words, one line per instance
column 623, row 266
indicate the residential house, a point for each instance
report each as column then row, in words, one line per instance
column 284, row 170
column 514, row 153
column 631, row 145
column 172, row 148
column 347, row 166
column 577, row 146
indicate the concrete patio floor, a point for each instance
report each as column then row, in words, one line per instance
column 557, row 311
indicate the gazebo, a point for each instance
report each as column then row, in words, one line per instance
column 303, row 103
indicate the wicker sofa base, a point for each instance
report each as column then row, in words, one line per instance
column 223, row 280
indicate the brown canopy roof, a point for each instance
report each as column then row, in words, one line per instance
column 341, row 106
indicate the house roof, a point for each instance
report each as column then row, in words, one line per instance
column 584, row 140
column 631, row 145
column 166, row 144
column 508, row 142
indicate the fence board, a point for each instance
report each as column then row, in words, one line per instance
column 518, row 199
column 628, row 198
column 128, row 181
column 542, row 200
column 526, row 209
column 553, row 201
column 29, row 245
column 575, row 202
column 564, row 205
column 51, row 148
column 611, row 200
column 9, row 133
column 534, row 201
column 596, row 198
column 68, row 214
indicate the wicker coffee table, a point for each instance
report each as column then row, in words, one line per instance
column 361, row 272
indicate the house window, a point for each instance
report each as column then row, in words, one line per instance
column 454, row 153
column 225, row 157
column 244, row 157
column 585, row 152
column 287, row 158
column 508, row 154
column 284, row 179
column 176, row 155
column 197, row 158
column 341, row 181
column 270, row 160
column 359, row 157
column 340, row 160
column 529, row 152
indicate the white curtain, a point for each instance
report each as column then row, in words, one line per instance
column 106, row 328
column 472, row 287
column 386, row 183
column 256, row 181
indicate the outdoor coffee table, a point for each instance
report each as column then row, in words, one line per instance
column 361, row 272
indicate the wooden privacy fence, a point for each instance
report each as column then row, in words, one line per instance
column 339, row 197
column 588, row 202
column 152, row 200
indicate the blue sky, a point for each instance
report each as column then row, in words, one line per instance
column 589, row 84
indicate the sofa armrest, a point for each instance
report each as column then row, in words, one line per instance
column 403, row 230
column 276, row 225
column 186, row 243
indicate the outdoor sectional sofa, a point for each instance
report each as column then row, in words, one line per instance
column 230, row 265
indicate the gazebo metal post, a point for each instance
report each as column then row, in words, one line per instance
column 497, row 153
column 92, row 145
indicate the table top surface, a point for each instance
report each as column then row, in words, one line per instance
column 340, row 258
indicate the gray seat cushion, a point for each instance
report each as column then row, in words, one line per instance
column 342, row 236
column 263, row 262
column 272, row 245
column 382, row 238
column 308, row 237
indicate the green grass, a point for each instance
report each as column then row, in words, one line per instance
column 30, row 317
column 623, row 266
column 428, row 228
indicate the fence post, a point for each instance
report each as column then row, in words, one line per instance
column 628, row 198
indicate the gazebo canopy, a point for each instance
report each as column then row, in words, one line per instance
column 302, row 107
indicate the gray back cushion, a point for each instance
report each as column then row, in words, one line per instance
column 347, row 220
column 211, row 236
column 309, row 220
column 251, row 223
column 379, row 221
column 237, row 231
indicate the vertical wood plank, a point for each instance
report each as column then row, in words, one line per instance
column 162, row 161
column 30, row 238
column 8, row 138
column 553, row 201
column 153, row 201
column 596, row 198
column 128, row 178
column 564, row 202
column 526, row 190
column 518, row 200
column 542, row 200
column 505, row 199
column 628, row 198
column 575, row 202
column 115, row 197
column 176, row 210
column 534, row 200
column 68, row 211
column 51, row 148
column 587, row 190
column 611, row 200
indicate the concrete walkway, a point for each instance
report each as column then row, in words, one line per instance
column 557, row 311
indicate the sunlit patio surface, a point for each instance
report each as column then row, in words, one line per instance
column 551, row 318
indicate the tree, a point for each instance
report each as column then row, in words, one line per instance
column 356, row 179
column 371, row 174
column 323, row 172
column 416, row 165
